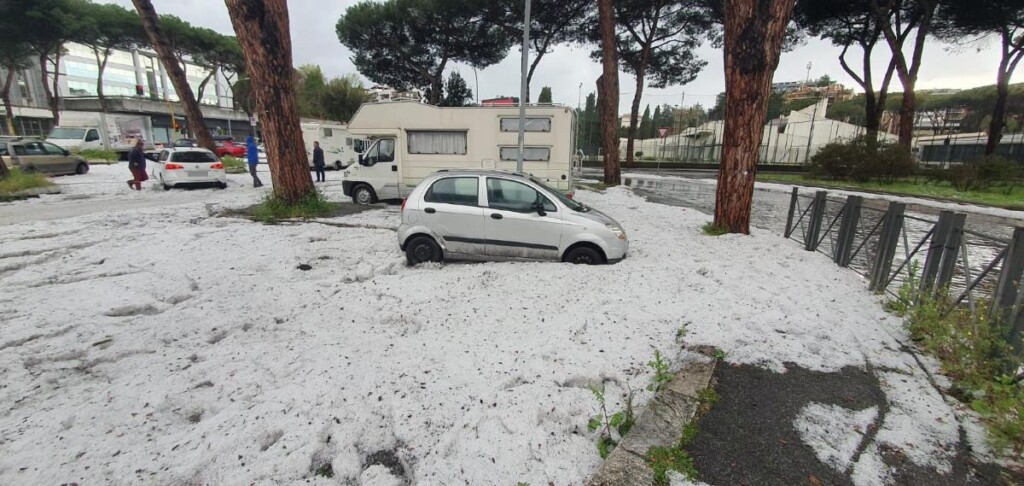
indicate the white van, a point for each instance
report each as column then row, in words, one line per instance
column 408, row 141
column 334, row 140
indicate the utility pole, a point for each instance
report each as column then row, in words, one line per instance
column 522, row 82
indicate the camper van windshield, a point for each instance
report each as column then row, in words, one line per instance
column 70, row 133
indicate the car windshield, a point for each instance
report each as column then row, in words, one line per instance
column 204, row 157
column 72, row 133
column 573, row 205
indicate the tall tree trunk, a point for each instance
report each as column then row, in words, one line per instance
column 5, row 95
column 101, row 64
column 262, row 30
column 55, row 101
column 908, row 111
column 754, row 31
column 202, row 85
column 196, row 123
column 907, row 72
column 1007, row 64
column 634, row 114
column 44, row 59
column 3, row 169
column 608, row 92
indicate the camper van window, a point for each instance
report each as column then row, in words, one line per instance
column 328, row 132
column 532, row 124
column 437, row 142
column 529, row 153
column 92, row 136
column 387, row 150
column 348, row 141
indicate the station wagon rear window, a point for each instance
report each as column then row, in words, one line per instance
column 195, row 157
column 534, row 124
column 437, row 142
column 542, row 154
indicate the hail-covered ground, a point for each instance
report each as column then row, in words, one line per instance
column 147, row 340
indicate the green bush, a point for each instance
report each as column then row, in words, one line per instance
column 996, row 171
column 963, row 177
column 17, row 180
column 98, row 154
column 639, row 153
column 234, row 165
column 862, row 161
column 273, row 208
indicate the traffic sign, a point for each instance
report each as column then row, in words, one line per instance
column 662, row 132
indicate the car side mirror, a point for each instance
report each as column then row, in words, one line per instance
column 361, row 160
column 539, row 208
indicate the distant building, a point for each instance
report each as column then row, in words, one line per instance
column 133, row 80
column 965, row 147
column 625, row 120
column 834, row 92
column 381, row 93
column 789, row 140
column 927, row 123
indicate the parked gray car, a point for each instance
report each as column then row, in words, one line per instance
column 499, row 215
column 34, row 155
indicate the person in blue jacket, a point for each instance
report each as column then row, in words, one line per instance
column 253, row 154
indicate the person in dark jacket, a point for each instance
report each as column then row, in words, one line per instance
column 137, row 164
column 253, row 155
column 318, row 162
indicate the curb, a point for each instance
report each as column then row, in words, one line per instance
column 660, row 424
column 33, row 192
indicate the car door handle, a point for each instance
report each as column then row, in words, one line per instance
column 496, row 216
column 429, row 210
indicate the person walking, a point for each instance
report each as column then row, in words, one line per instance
column 137, row 164
column 318, row 162
column 253, row 155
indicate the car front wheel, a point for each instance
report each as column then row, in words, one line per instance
column 363, row 194
column 583, row 256
column 422, row 249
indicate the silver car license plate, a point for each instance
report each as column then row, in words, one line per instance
column 197, row 173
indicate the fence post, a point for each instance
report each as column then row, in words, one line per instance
column 935, row 249
column 1010, row 279
column 792, row 211
column 888, row 240
column 814, row 225
column 848, row 230
column 950, row 251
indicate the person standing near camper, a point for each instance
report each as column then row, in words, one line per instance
column 137, row 164
column 318, row 162
column 253, row 154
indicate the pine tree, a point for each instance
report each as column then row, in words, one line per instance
column 645, row 124
column 545, row 95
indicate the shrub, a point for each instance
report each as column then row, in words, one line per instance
column 639, row 153
column 963, row 177
column 98, row 154
column 17, row 180
column 272, row 208
column 862, row 161
column 234, row 165
column 994, row 170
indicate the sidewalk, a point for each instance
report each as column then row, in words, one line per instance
column 162, row 344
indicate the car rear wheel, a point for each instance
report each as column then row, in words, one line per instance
column 363, row 194
column 583, row 255
column 82, row 168
column 222, row 185
column 422, row 249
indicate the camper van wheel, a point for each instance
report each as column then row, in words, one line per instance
column 363, row 194
column 337, row 165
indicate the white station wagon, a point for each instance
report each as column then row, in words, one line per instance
column 188, row 166
column 498, row 215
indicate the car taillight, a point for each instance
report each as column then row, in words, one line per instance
column 217, row 165
column 173, row 166
column 404, row 199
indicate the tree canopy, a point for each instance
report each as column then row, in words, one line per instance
column 456, row 92
column 409, row 43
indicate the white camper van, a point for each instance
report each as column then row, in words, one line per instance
column 407, row 141
column 334, row 140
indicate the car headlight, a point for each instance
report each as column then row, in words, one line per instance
column 617, row 231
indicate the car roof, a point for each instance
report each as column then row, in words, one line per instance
column 187, row 149
column 483, row 172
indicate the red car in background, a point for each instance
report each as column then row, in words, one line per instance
column 227, row 146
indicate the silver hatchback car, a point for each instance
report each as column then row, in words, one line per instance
column 498, row 215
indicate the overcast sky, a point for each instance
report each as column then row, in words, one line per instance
column 314, row 41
